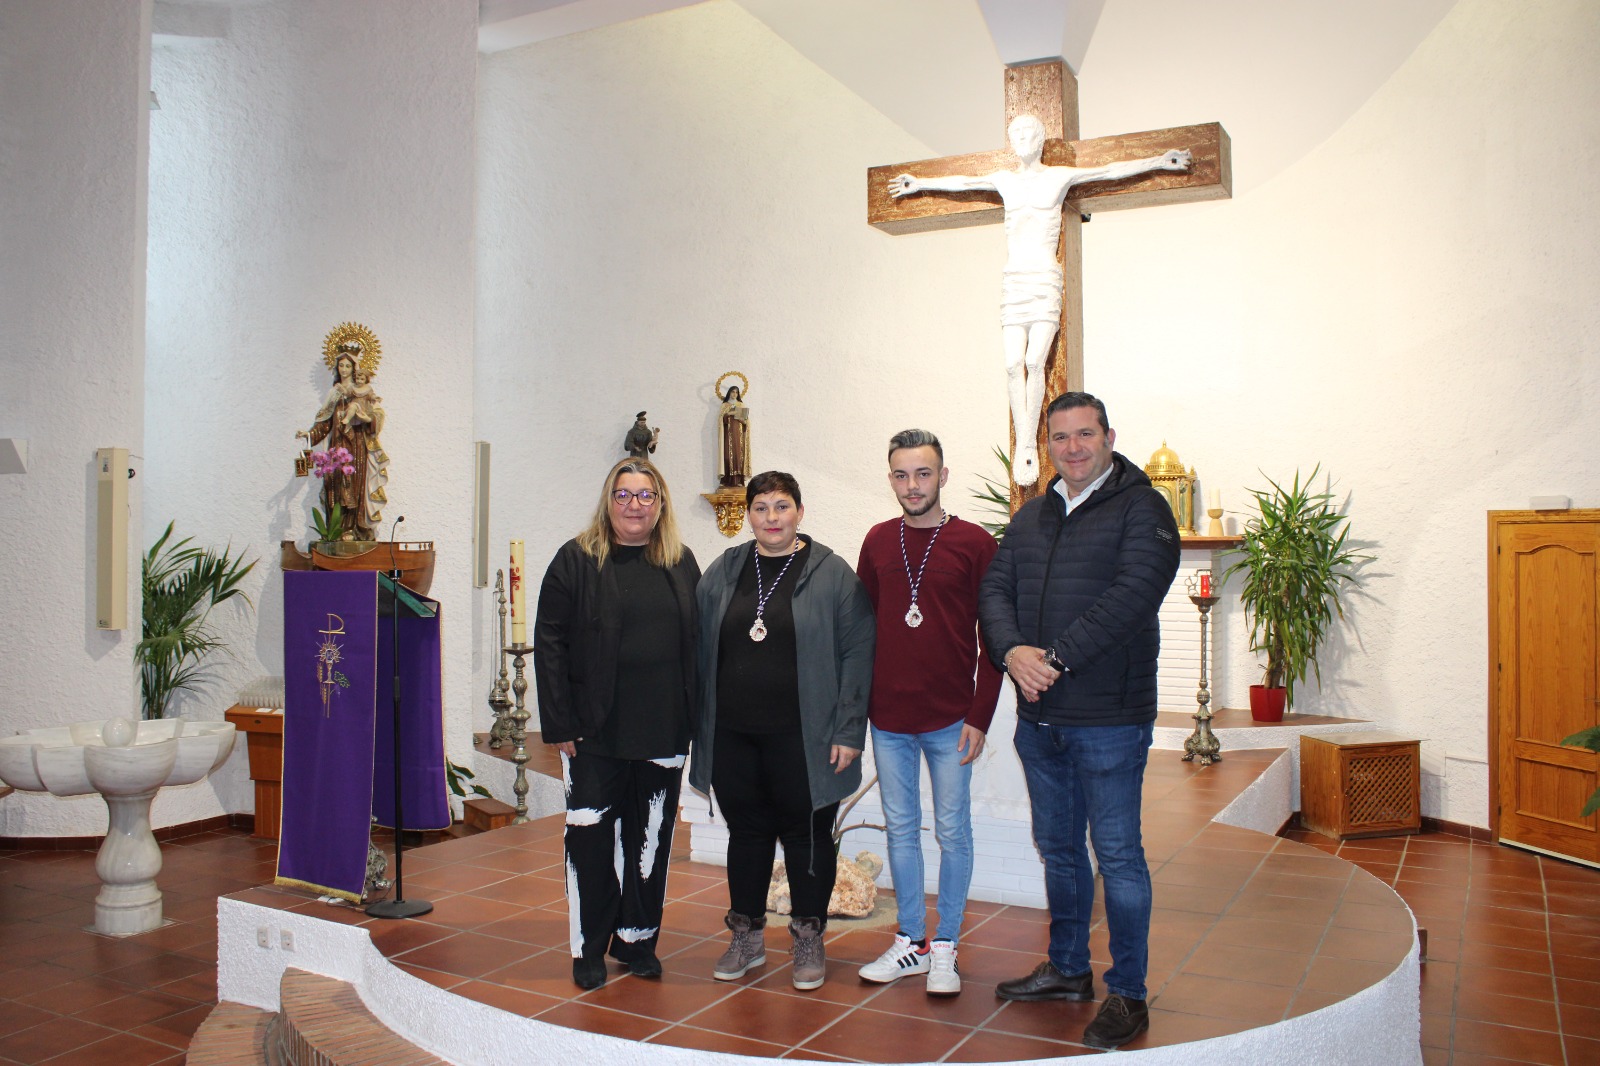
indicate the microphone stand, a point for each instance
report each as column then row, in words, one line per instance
column 399, row 907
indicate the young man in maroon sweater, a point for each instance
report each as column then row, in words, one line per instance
column 933, row 696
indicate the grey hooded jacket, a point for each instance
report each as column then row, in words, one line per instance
column 834, row 634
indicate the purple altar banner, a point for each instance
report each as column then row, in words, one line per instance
column 330, row 666
column 422, row 793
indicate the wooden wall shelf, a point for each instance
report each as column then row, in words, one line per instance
column 1214, row 543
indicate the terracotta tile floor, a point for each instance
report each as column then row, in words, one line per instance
column 1513, row 972
column 69, row 996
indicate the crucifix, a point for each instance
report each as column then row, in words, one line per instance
column 1042, row 301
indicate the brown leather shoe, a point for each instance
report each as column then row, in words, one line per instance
column 1119, row 1021
column 1047, row 982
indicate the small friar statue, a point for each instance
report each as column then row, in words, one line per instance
column 641, row 439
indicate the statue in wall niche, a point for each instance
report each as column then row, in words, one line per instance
column 1030, row 285
column 733, row 437
column 351, row 417
column 733, row 453
column 641, row 439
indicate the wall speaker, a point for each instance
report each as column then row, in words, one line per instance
column 111, row 539
column 480, row 513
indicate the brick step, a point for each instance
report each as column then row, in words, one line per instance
column 231, row 1035
column 324, row 1023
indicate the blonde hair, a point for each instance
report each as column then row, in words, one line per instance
column 665, row 548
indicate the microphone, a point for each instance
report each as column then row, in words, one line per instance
column 396, row 526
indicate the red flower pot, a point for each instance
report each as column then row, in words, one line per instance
column 1266, row 704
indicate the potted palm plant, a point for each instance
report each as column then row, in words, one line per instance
column 1295, row 562
column 181, row 584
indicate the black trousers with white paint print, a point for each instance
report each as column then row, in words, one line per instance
column 620, row 817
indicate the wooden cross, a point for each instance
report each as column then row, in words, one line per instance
column 1049, row 92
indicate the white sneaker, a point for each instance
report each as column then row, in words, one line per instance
column 944, row 978
column 901, row 960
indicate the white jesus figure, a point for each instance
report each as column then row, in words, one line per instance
column 1030, row 286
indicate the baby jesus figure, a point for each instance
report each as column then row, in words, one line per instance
column 363, row 403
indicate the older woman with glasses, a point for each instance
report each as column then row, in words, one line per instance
column 614, row 656
column 786, row 639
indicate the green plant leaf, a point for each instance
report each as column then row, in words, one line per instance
column 995, row 497
column 1295, row 563
column 181, row 583
column 1586, row 738
column 456, row 776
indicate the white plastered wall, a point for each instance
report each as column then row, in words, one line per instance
column 312, row 164
column 671, row 198
column 73, row 144
column 682, row 195
column 1411, row 305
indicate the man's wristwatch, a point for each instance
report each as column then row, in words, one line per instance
column 1053, row 662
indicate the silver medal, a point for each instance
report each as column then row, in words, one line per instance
column 914, row 616
column 758, row 632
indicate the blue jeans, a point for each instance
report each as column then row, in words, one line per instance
column 1091, row 778
column 899, row 760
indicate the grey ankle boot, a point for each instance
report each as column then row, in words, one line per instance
column 810, row 958
column 748, row 949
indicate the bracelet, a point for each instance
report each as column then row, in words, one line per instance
column 1007, row 658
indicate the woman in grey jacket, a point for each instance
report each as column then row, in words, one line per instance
column 786, row 641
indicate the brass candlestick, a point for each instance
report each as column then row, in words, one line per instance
column 1203, row 746
column 499, row 694
column 519, row 728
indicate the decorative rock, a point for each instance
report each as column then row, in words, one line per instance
column 855, row 889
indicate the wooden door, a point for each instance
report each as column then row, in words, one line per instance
column 1544, row 638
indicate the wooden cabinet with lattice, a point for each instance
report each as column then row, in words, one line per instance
column 1360, row 784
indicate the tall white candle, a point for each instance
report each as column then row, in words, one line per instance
column 519, row 597
column 1215, row 500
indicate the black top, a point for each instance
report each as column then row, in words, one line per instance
column 649, row 713
column 758, row 682
column 577, row 638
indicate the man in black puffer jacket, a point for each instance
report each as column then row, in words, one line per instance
column 1068, row 608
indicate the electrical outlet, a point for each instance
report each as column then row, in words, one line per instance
column 286, row 940
column 263, row 936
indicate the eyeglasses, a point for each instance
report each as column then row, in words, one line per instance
column 621, row 497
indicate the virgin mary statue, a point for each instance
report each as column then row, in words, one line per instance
column 350, row 418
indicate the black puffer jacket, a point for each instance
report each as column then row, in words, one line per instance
column 577, row 639
column 1088, row 585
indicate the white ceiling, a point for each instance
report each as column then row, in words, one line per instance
column 1280, row 75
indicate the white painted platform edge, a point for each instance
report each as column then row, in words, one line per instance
column 1379, row 1024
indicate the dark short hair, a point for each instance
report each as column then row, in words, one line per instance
column 915, row 438
column 1068, row 400
column 772, row 481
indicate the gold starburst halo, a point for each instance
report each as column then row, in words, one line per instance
column 743, row 392
column 371, row 350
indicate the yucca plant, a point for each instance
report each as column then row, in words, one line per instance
column 182, row 583
column 1295, row 561
column 995, row 497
